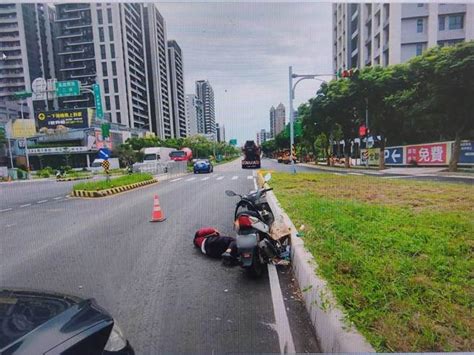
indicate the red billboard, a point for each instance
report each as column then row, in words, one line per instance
column 427, row 154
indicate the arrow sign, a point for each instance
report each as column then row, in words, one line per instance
column 393, row 155
column 104, row 153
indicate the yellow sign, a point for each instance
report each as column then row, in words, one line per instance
column 23, row 128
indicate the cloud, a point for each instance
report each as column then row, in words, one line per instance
column 244, row 50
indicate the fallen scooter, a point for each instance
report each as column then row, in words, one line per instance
column 253, row 220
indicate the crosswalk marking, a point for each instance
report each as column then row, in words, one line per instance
column 25, row 205
column 205, row 178
column 235, row 177
column 191, row 179
column 6, row 209
column 249, row 177
column 220, row 178
column 175, row 180
column 42, row 201
column 57, row 198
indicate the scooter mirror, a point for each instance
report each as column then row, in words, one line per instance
column 267, row 177
column 230, row 193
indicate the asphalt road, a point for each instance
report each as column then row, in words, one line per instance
column 274, row 165
column 165, row 295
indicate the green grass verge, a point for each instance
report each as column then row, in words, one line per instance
column 116, row 182
column 398, row 255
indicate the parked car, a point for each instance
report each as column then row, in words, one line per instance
column 203, row 166
column 37, row 322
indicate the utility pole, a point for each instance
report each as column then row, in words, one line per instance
column 367, row 130
column 292, row 88
column 292, row 133
column 26, row 144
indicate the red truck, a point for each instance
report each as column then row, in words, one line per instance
column 251, row 153
column 184, row 154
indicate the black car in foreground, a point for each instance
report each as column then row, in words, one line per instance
column 36, row 322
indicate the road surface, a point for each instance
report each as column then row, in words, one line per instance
column 165, row 295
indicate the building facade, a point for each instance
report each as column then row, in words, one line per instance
column 104, row 43
column 176, row 74
column 194, row 115
column 158, row 76
column 26, row 52
column 263, row 136
column 220, row 132
column 272, row 122
column 205, row 94
column 367, row 34
column 280, row 119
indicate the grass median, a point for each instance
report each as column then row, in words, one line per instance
column 115, row 182
column 397, row 254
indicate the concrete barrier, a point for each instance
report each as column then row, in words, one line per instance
column 334, row 332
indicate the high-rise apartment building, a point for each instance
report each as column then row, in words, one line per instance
column 158, row 76
column 194, row 115
column 205, row 93
column 279, row 119
column 367, row 34
column 263, row 136
column 25, row 51
column 176, row 74
column 272, row 122
column 220, row 131
column 105, row 43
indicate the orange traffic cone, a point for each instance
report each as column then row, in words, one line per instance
column 157, row 215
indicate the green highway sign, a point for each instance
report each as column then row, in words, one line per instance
column 68, row 88
column 99, row 110
column 105, row 127
column 20, row 95
column 233, row 142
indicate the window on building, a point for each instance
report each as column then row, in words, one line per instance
column 119, row 118
column 420, row 4
column 419, row 25
column 112, row 50
column 109, row 15
column 115, row 85
column 106, row 86
column 99, row 17
column 386, row 11
column 385, row 58
column 377, row 20
column 377, row 41
column 117, row 103
column 114, row 68
column 107, row 103
column 456, row 22
column 102, row 51
column 441, row 22
column 419, row 48
column 111, row 34
column 101, row 34
column 104, row 69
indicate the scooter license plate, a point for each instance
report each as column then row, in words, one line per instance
column 247, row 241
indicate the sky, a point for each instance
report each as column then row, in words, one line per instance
column 245, row 49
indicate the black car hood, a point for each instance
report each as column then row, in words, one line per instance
column 36, row 320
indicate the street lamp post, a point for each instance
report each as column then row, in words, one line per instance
column 292, row 88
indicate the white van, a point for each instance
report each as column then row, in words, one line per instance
column 97, row 164
column 154, row 160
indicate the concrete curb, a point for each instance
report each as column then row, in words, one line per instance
column 333, row 332
column 74, row 178
column 112, row 191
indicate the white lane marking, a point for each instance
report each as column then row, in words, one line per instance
column 191, row 179
column 205, row 178
column 235, row 177
column 250, row 177
column 177, row 179
column 26, row 205
column 220, row 178
column 42, row 201
column 281, row 318
column 59, row 197
column 6, row 209
column 397, row 177
column 11, row 225
column 355, row 174
column 338, row 174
